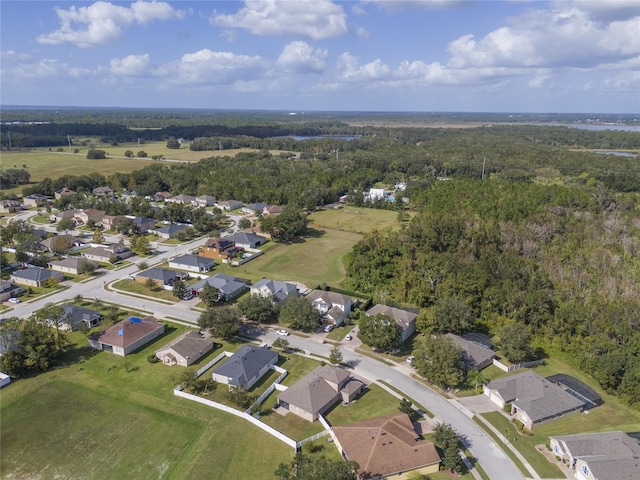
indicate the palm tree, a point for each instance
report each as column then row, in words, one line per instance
column 476, row 377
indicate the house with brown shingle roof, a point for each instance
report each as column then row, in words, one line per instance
column 186, row 349
column 386, row 446
column 404, row 318
column 318, row 391
column 474, row 355
column 128, row 335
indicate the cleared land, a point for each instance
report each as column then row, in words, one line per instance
column 355, row 220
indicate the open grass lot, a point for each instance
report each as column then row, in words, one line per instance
column 141, row 289
column 102, row 416
column 355, row 219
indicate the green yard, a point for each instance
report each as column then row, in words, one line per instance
column 355, row 219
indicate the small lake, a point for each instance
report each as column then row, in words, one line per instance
column 348, row 138
column 617, row 154
column 621, row 128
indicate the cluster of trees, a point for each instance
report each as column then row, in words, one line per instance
column 308, row 467
column 12, row 177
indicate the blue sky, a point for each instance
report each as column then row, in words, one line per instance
column 297, row 55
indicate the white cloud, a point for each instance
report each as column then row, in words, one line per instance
column 302, row 58
column 208, row 67
column 625, row 81
column 131, row 66
column 315, row 19
column 103, row 22
column 397, row 5
column 43, row 70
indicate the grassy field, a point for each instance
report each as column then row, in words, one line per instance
column 101, row 416
column 355, row 220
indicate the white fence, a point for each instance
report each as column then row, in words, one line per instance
column 267, row 428
column 273, row 386
column 312, row 438
column 211, row 363
column 517, row 366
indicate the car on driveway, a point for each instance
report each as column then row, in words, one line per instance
column 264, row 345
column 410, row 359
column 14, row 300
column 328, row 328
column 283, row 333
column 348, row 337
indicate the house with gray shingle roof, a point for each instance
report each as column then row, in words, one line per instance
column 474, row 355
column 333, row 306
column 533, row 399
column 599, row 456
column 277, row 289
column 254, row 208
column 404, row 318
column 192, row 263
column 245, row 367
column 229, row 286
column 36, row 276
column 72, row 265
column 186, row 349
column 182, row 199
column 74, row 317
column 170, row 231
column 161, row 276
column 247, row 240
column 318, row 391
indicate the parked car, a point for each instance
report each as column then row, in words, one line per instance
column 410, row 359
column 187, row 296
column 328, row 328
column 348, row 337
column 14, row 300
column 283, row 333
column 264, row 345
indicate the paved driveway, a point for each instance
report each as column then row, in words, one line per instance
column 478, row 404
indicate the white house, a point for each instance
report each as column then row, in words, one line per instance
column 333, row 306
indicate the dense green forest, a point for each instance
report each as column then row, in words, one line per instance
column 518, row 224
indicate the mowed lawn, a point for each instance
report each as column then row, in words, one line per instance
column 100, row 416
column 355, row 219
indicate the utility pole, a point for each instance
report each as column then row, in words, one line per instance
column 484, row 161
column 9, row 135
column 69, row 140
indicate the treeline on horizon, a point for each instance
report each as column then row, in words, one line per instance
column 516, row 223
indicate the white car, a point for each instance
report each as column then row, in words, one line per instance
column 14, row 300
column 264, row 345
column 348, row 337
column 410, row 359
column 283, row 333
column 328, row 328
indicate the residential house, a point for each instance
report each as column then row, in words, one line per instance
column 276, row 289
column 333, row 306
column 181, row 199
column 9, row 290
column 374, row 194
column 71, row 265
column 4, row 379
column 245, row 367
column 64, row 214
column 272, row 210
column 161, row 196
column 229, row 205
column 128, row 335
column 35, row 200
column 229, row 287
column 9, row 206
column 386, row 447
column 110, row 222
column 192, row 263
column 220, row 248
column 65, row 192
column 318, row 391
column 533, row 399
column 474, row 355
column 161, row 276
column 204, row 201
column 143, row 224
column 599, row 456
column 247, row 240
column 186, row 349
column 59, row 243
column 103, row 191
column 107, row 254
column 254, row 208
column 404, row 318
column 36, row 276
column 90, row 214
column 76, row 317
column 170, row 231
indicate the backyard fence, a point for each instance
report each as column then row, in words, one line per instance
column 211, row 363
column 517, row 366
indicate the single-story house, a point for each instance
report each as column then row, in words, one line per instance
column 474, row 355
column 161, row 196
column 229, row 205
column 186, row 349
column 143, row 224
column 245, row 367
column 65, row 192
column 4, row 379
column 7, row 206
column 533, row 399
column 170, row 231
column 333, row 306
column 182, row 199
column 72, row 265
column 386, row 447
column 204, row 201
column 35, row 200
column 108, row 253
column 36, row 276
column 599, row 456
column 318, row 391
column 110, row 222
column 84, row 216
column 75, row 315
column 404, row 318
column 254, row 208
column 220, row 248
column 161, row 276
column 247, row 240
column 128, row 335
column 229, row 286
column 103, row 192
column 192, row 263
column 60, row 243
column 277, row 289
column 64, row 214
column 8, row 290
column 272, row 210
